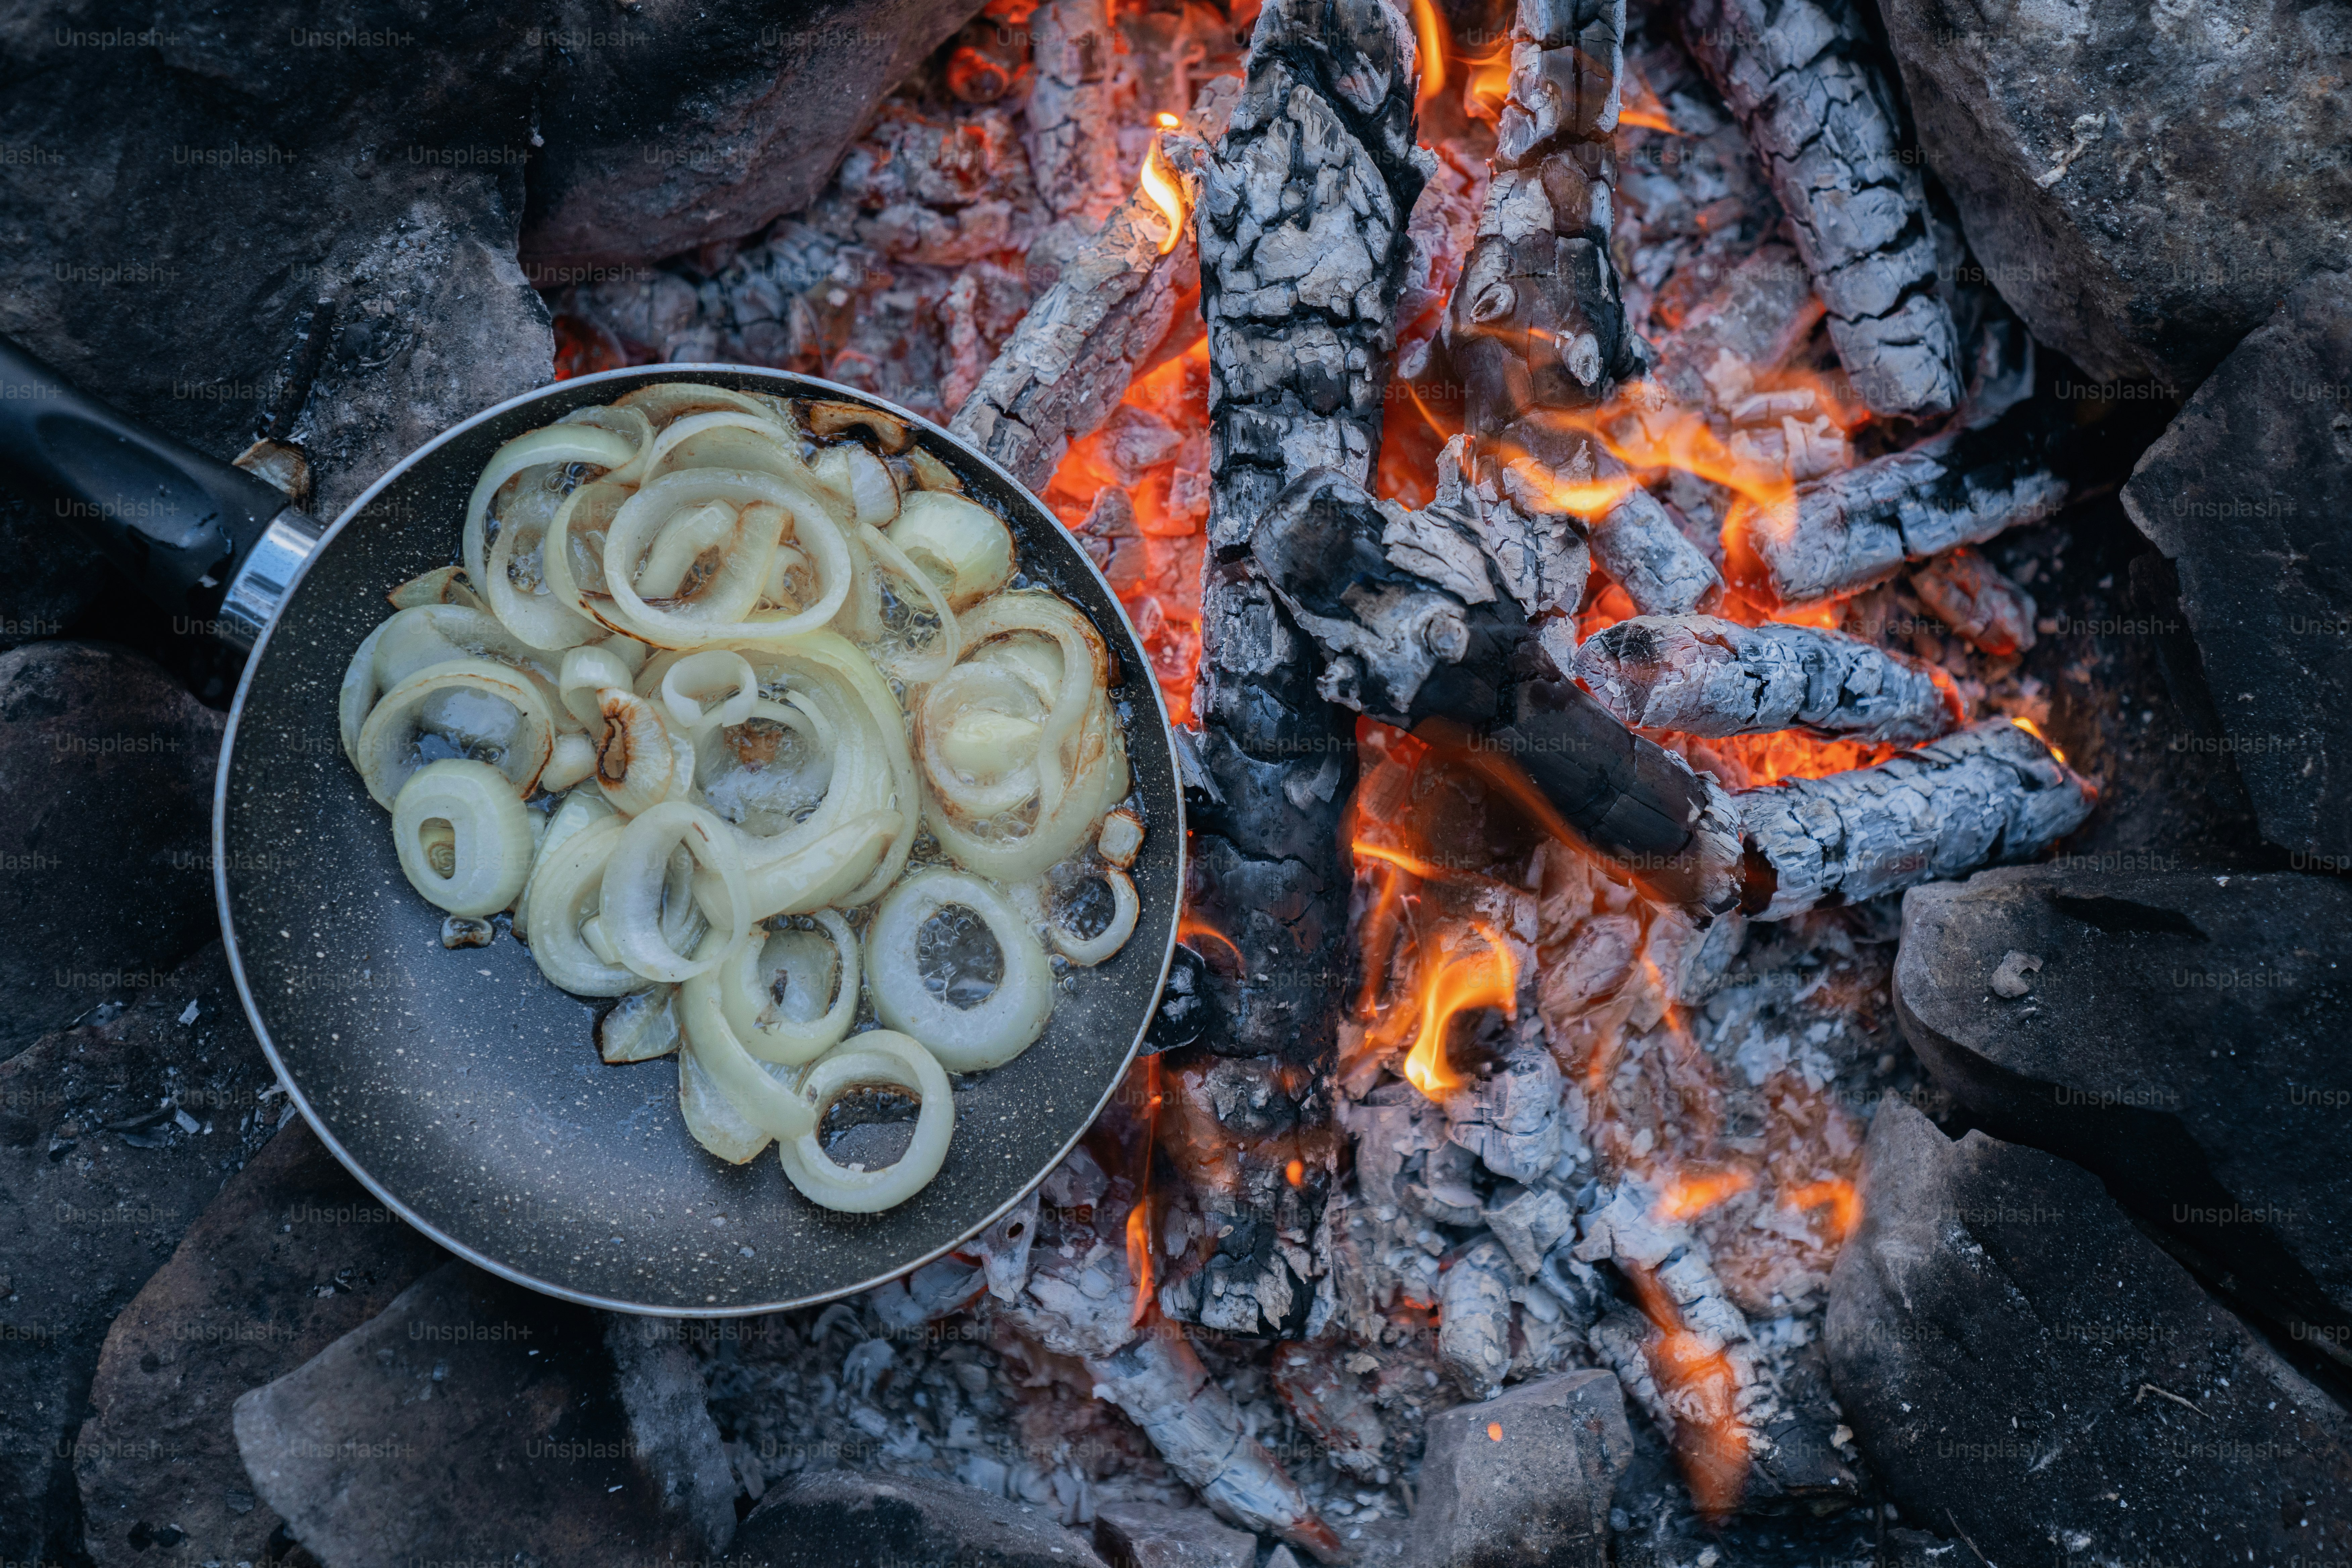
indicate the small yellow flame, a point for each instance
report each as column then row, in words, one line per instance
column 1165, row 193
column 1435, row 45
column 1167, row 121
column 2034, row 729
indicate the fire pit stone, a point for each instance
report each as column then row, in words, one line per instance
column 1526, row 1476
column 841, row 1519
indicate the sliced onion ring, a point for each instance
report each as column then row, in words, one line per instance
column 566, row 887
column 751, row 1009
column 634, row 880
column 552, row 444
column 1091, row 950
column 383, row 749
column 689, row 681
column 878, row 1056
column 964, row 1039
column 490, row 847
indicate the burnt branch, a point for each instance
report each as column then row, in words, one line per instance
column 1855, row 529
column 1978, row 601
column 1303, row 249
column 1992, row 795
column 1707, row 676
column 1801, row 79
column 1080, row 346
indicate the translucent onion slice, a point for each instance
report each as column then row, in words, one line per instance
column 876, row 1057
column 636, row 766
column 1018, row 857
column 494, row 709
column 824, row 870
column 583, row 680
column 863, row 484
column 964, row 1039
column 578, row 810
column 719, row 614
column 760, row 1097
column 820, row 964
column 977, row 733
column 962, row 545
column 904, row 663
column 428, row 635
column 628, row 423
column 442, row 585
column 693, row 681
column 571, row 557
column 730, row 438
column 711, row 1117
column 664, row 401
column 1084, row 674
column 479, row 866
column 633, row 882
column 645, row 1026
column 552, row 443
column 573, row 758
column 515, row 583
column 1091, row 950
column 360, row 690
column 566, row 888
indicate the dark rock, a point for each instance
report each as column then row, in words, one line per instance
column 470, row 1419
column 672, row 123
column 662, row 1388
column 98, row 1178
column 2246, row 494
column 2027, row 1371
column 48, row 573
column 2181, row 1038
column 291, row 1255
column 186, row 182
column 106, row 858
column 844, row 1518
column 2141, row 187
column 1151, row 1535
column 1525, row 1477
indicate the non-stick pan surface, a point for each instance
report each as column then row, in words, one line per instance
column 465, row 1091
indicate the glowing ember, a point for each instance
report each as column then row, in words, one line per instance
column 1295, row 1172
column 1455, row 981
column 2034, row 729
column 1700, row 1387
column 1688, row 1196
column 1165, row 192
column 1840, row 1196
column 1494, row 1431
column 1217, row 950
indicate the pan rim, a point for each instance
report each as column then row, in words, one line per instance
column 677, row 371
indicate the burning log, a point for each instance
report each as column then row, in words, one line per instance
column 1855, row 529
column 1303, row 250
column 1992, row 795
column 1082, row 344
column 1800, row 77
column 1536, row 326
column 1976, row 600
column 1084, row 84
column 1705, row 677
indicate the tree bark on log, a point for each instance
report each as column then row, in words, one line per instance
column 1303, row 250
column 1801, row 79
column 1701, row 675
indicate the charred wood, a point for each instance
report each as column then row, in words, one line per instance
column 1801, row 77
column 1855, row 529
column 1301, row 224
column 1992, row 795
column 1474, row 1327
column 1707, row 676
column 1071, row 360
column 1977, row 599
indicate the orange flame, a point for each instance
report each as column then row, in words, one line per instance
column 1436, row 45
column 1688, row 1196
column 1844, row 1201
column 1190, row 926
column 1639, row 107
column 1702, row 1389
column 1138, row 1219
column 2034, row 729
column 1160, row 185
column 1453, row 982
column 1166, row 122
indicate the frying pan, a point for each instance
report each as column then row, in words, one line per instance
column 460, row 1086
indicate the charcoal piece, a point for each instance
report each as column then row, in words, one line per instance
column 1526, row 1476
column 108, row 853
column 2245, row 494
column 264, row 159
column 1989, row 795
column 1638, row 544
column 1085, row 85
column 1707, row 676
column 1473, row 1325
column 1974, row 597
column 2021, row 1366
column 1801, row 79
column 2179, row 1039
column 1333, row 1402
column 1248, row 1141
column 1511, row 1119
column 103, row 1178
column 1301, row 225
column 1758, row 319
column 849, row 1519
column 470, row 1418
column 1856, row 528
column 2134, row 269
column 1154, row 1535
column 1068, row 363
column 291, row 1255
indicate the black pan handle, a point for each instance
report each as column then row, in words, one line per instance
column 204, row 539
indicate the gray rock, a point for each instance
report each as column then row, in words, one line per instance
column 662, row 1389
column 186, row 182
column 2028, row 1372
column 670, row 123
column 2245, row 493
column 99, row 1179
column 2181, row 1039
column 469, row 1419
column 106, row 857
column 291, row 1255
column 2141, row 186
column 1525, row 1477
column 1152, row 1535
column 844, row 1518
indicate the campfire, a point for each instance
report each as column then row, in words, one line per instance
column 1605, row 544
column 1550, row 518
